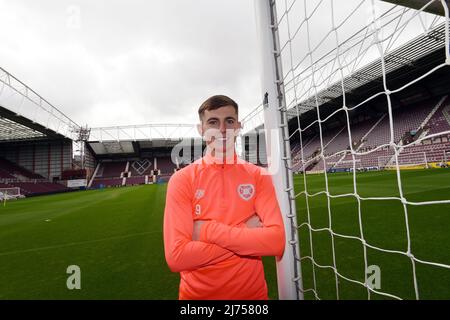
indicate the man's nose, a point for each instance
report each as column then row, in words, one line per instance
column 223, row 128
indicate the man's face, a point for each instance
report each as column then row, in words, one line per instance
column 219, row 129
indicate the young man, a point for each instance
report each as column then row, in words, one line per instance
column 221, row 215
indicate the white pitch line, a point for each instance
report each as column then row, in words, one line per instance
column 70, row 244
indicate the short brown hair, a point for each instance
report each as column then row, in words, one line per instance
column 216, row 102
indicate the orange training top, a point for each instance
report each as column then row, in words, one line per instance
column 226, row 261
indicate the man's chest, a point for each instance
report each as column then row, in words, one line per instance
column 227, row 196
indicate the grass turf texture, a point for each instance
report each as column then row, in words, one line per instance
column 115, row 236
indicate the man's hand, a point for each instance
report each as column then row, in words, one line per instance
column 254, row 222
column 196, row 231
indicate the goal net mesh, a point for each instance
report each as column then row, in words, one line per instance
column 339, row 62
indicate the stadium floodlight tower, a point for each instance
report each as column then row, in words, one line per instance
column 82, row 134
column 321, row 65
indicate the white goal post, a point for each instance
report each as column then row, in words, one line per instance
column 446, row 157
column 278, row 150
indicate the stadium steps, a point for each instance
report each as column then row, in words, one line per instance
column 319, row 162
column 370, row 131
column 94, row 175
column 422, row 132
column 431, row 114
column 18, row 171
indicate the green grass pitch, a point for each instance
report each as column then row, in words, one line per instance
column 383, row 226
column 115, row 237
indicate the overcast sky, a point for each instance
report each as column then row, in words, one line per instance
column 117, row 62
column 109, row 62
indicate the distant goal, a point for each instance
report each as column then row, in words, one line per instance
column 416, row 160
column 10, row 193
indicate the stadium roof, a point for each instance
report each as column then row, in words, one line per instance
column 134, row 148
column 143, row 132
column 405, row 56
column 10, row 130
column 14, row 127
column 403, row 64
column 434, row 7
column 132, row 139
column 25, row 115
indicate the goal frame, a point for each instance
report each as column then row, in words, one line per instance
column 6, row 195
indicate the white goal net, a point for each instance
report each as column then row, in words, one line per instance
column 349, row 78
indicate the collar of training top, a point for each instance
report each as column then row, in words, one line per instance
column 209, row 159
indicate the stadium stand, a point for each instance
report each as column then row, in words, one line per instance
column 165, row 165
column 109, row 174
column 135, row 180
column 30, row 183
column 112, row 169
column 16, row 171
column 5, row 174
column 134, row 171
column 141, row 167
column 372, row 137
column 38, row 187
column 107, row 182
column 440, row 121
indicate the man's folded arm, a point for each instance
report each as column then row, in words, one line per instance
column 183, row 254
column 268, row 240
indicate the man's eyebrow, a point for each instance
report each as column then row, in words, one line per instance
column 217, row 119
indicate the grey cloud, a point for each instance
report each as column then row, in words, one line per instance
column 135, row 61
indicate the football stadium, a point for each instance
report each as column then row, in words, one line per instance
column 354, row 119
